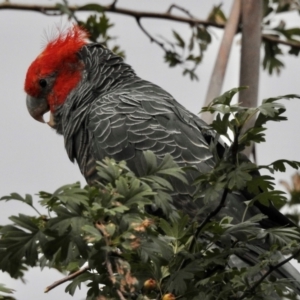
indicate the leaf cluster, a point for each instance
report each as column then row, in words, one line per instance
column 234, row 171
column 133, row 251
column 273, row 51
column 106, row 225
column 188, row 54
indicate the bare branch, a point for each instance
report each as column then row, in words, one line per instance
column 111, row 8
column 271, row 38
column 52, row 10
column 67, row 278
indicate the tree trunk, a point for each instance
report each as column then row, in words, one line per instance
column 250, row 55
column 217, row 77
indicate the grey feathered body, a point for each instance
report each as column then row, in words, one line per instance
column 114, row 113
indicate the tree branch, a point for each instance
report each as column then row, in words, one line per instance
column 111, row 274
column 204, row 222
column 270, row 38
column 67, row 278
column 271, row 269
column 210, row 216
column 101, row 228
column 52, row 10
column 113, row 9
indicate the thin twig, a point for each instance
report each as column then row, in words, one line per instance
column 270, row 38
column 100, row 227
column 152, row 39
column 209, row 217
column 234, row 151
column 180, row 8
column 113, row 5
column 204, row 222
column 111, row 274
column 67, row 278
column 271, row 269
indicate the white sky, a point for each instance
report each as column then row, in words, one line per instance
column 33, row 156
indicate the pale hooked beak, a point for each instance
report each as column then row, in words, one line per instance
column 37, row 107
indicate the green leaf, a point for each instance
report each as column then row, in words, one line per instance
column 190, row 72
column 156, row 250
column 270, row 61
column 6, row 290
column 180, row 41
column 21, row 243
column 217, row 15
column 172, row 58
column 276, row 197
column 191, row 44
column 238, row 178
column 177, row 282
column 294, row 51
column 280, row 236
column 259, row 184
column 203, row 36
column 67, row 220
column 279, row 165
column 15, row 196
column 176, row 229
column 224, row 99
column 93, row 231
column 253, row 134
column 270, row 109
column 68, row 194
column 151, row 162
column 220, row 125
column 174, row 172
column 77, row 281
column 272, row 112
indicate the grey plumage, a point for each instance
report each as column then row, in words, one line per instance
column 114, row 113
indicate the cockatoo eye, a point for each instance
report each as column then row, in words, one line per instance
column 42, row 83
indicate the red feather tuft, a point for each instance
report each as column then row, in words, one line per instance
column 59, row 57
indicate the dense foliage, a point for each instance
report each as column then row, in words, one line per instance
column 104, row 236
